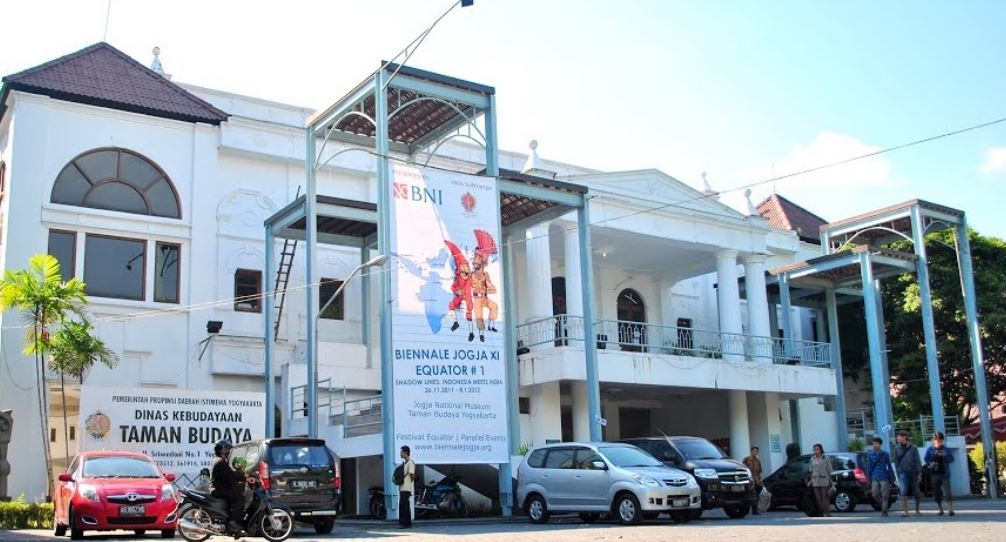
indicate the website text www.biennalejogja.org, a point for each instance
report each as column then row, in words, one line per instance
column 450, row 442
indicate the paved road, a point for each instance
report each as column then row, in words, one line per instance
column 975, row 521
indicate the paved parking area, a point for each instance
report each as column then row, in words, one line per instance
column 975, row 521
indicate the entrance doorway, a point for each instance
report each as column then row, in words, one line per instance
column 631, row 321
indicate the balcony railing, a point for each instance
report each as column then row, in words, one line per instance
column 860, row 424
column 358, row 417
column 561, row 330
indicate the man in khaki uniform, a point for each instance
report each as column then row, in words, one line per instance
column 482, row 287
column 406, row 489
column 753, row 463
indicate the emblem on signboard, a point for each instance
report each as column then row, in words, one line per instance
column 468, row 202
column 98, row 424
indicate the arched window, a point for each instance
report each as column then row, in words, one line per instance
column 116, row 180
column 631, row 320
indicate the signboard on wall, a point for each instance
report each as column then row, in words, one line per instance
column 447, row 319
column 176, row 428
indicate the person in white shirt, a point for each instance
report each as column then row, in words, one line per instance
column 406, row 489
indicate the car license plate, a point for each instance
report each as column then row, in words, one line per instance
column 304, row 484
column 738, row 489
column 132, row 510
column 680, row 503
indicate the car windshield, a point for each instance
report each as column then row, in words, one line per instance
column 698, row 449
column 119, row 467
column 292, row 455
column 625, row 456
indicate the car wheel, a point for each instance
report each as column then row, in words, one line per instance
column 537, row 510
column 324, row 526
column 589, row 518
column 694, row 514
column 168, row 533
column 76, row 533
column 736, row 511
column 845, row 502
column 627, row 509
column 140, row 532
column 682, row 516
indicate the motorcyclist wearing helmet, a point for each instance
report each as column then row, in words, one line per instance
column 227, row 483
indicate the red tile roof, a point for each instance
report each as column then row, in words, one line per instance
column 104, row 76
column 783, row 213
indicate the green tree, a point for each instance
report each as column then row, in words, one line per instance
column 45, row 302
column 906, row 344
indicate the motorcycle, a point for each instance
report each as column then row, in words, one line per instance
column 377, row 510
column 443, row 497
column 202, row 516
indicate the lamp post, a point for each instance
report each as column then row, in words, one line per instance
column 312, row 377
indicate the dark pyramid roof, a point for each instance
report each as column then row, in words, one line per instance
column 104, row 76
column 783, row 213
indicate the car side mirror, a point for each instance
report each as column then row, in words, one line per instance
column 66, row 477
column 169, row 477
column 599, row 465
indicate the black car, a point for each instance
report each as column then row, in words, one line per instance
column 725, row 483
column 300, row 473
column 788, row 484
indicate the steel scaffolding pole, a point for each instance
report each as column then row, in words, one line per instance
column 311, row 257
column 974, row 335
column 928, row 321
column 268, row 302
column 589, row 339
column 881, row 392
column 836, row 365
column 384, row 247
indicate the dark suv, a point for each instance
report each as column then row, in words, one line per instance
column 788, row 484
column 300, row 473
column 725, row 483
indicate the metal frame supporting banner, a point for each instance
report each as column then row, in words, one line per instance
column 836, row 364
column 881, row 388
column 268, row 301
column 928, row 320
column 589, row 343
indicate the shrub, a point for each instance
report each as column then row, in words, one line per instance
column 25, row 515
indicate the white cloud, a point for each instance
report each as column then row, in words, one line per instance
column 995, row 160
column 826, row 191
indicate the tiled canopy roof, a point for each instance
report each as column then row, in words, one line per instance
column 783, row 213
column 104, row 76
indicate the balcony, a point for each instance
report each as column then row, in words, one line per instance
column 566, row 330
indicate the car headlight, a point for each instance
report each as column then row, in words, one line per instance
column 167, row 492
column 645, row 480
column 88, row 492
column 707, row 473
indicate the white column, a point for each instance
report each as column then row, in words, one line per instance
column 729, row 298
column 759, row 324
column 740, row 436
column 763, row 409
column 539, row 282
column 546, row 413
column 573, row 326
column 581, row 414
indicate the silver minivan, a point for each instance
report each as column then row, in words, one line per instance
column 603, row 478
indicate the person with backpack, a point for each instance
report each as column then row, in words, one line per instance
column 405, row 478
column 938, row 459
column 908, row 465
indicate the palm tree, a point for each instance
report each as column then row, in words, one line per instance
column 75, row 350
column 43, row 299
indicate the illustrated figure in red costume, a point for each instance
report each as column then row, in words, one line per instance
column 461, row 288
column 482, row 285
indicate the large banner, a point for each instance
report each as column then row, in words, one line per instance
column 176, row 428
column 450, row 376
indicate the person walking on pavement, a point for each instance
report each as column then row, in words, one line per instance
column 820, row 479
column 908, row 466
column 406, row 488
column 879, row 473
column 938, row 459
column 754, row 465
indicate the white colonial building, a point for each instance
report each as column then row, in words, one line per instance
column 155, row 193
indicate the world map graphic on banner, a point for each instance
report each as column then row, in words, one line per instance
column 447, row 322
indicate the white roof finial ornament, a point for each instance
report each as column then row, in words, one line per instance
column 534, row 165
column 707, row 188
column 156, row 66
column 752, row 210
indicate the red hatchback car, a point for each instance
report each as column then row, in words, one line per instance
column 105, row 491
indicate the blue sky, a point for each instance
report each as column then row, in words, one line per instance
column 740, row 89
